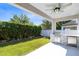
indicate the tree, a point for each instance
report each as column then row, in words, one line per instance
column 46, row 24
column 59, row 24
column 22, row 19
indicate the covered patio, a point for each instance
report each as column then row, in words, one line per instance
column 54, row 12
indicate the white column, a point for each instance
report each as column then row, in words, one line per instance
column 78, row 32
column 78, row 25
column 53, row 29
column 62, row 28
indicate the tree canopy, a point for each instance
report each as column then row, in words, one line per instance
column 22, row 19
column 46, row 24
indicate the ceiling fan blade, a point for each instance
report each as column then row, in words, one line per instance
column 65, row 6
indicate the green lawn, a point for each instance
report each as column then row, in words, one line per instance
column 22, row 48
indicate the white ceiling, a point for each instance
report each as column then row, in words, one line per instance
column 41, row 9
column 73, row 9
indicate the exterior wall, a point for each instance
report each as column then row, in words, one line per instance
column 57, row 35
column 48, row 33
column 64, row 40
column 60, row 38
column 45, row 33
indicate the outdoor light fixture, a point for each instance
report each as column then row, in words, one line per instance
column 58, row 7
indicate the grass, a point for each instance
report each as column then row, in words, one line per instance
column 22, row 48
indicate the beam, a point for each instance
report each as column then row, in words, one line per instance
column 67, row 18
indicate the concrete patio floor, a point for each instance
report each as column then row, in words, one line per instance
column 51, row 49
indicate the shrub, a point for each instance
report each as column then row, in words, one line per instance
column 10, row 31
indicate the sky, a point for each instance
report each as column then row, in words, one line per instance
column 7, row 11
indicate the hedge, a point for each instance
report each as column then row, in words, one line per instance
column 10, row 31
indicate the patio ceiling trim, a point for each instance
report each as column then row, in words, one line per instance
column 28, row 7
column 67, row 18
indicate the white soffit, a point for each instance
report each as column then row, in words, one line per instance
column 70, row 12
column 73, row 9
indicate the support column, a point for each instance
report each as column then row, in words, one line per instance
column 53, row 29
column 78, row 32
column 62, row 28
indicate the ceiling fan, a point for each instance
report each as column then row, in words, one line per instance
column 58, row 7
